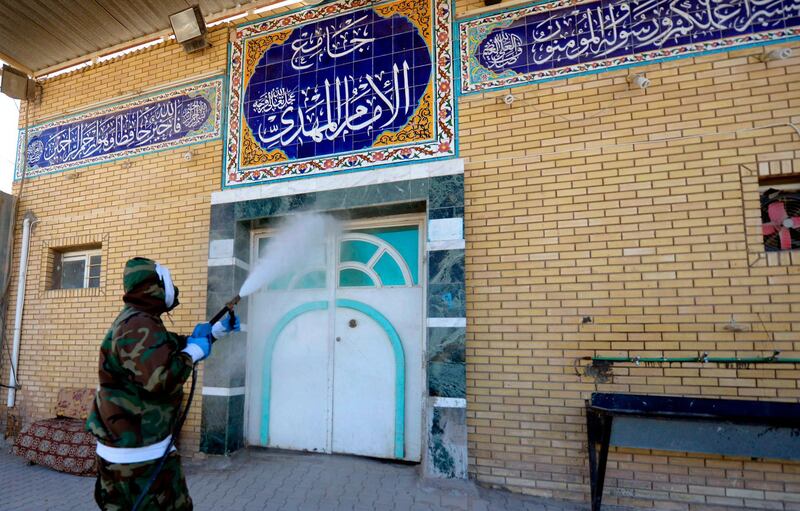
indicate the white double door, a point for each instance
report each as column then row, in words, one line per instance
column 335, row 349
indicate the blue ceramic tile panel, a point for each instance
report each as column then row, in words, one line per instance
column 343, row 88
column 325, row 89
column 560, row 38
column 158, row 121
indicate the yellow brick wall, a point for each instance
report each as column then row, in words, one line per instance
column 156, row 205
column 584, row 198
column 588, row 198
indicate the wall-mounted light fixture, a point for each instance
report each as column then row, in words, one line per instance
column 775, row 54
column 16, row 84
column 189, row 28
column 640, row 81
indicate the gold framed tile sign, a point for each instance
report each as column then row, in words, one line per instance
column 349, row 85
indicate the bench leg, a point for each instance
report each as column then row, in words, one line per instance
column 599, row 432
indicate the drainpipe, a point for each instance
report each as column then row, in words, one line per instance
column 23, row 271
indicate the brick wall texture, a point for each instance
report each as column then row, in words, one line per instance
column 156, row 205
column 638, row 208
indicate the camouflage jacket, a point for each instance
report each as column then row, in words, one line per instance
column 142, row 368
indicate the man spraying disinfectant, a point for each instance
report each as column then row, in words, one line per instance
column 142, row 371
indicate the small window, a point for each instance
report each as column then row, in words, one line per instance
column 780, row 217
column 76, row 269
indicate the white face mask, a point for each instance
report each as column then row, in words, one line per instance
column 169, row 287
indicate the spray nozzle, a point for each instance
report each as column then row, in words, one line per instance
column 227, row 309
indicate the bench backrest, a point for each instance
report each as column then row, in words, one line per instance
column 74, row 403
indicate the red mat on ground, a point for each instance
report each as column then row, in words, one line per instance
column 62, row 443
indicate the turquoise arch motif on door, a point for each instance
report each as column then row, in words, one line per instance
column 399, row 360
column 379, row 257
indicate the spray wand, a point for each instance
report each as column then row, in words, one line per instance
column 227, row 309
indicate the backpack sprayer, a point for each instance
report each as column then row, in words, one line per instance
column 227, row 309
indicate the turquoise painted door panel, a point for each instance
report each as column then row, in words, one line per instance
column 384, row 257
column 288, row 376
column 346, row 378
column 364, row 421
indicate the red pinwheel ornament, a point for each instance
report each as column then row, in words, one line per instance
column 780, row 222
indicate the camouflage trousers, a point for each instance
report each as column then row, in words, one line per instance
column 120, row 484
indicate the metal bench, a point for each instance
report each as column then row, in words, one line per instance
column 756, row 429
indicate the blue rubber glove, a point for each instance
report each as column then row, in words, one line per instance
column 201, row 330
column 223, row 327
column 198, row 345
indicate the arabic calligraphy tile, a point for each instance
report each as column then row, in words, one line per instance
column 599, row 34
column 343, row 145
column 274, row 54
column 159, row 121
column 324, row 147
column 505, row 50
column 706, row 35
column 401, row 24
column 383, row 46
column 381, row 95
column 403, row 42
column 791, row 10
column 362, row 67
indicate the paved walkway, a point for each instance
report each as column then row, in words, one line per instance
column 257, row 479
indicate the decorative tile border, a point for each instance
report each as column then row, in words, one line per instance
column 247, row 162
column 563, row 38
column 157, row 121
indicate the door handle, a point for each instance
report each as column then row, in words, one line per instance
column 338, row 339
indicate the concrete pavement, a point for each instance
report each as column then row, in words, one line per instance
column 258, row 479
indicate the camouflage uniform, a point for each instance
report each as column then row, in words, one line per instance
column 142, row 371
column 120, row 484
